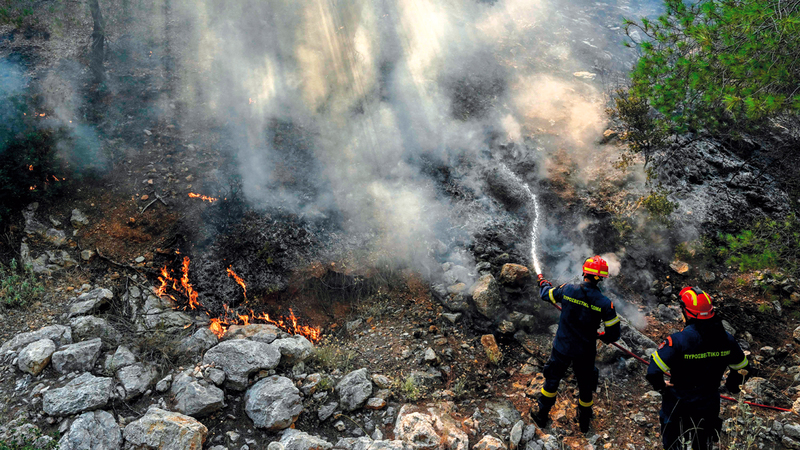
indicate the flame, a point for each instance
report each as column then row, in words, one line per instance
column 30, row 167
column 32, row 188
column 238, row 280
column 185, row 287
column 219, row 325
column 204, row 198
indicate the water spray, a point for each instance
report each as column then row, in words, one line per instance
column 535, row 227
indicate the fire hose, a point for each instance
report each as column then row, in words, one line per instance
column 725, row 397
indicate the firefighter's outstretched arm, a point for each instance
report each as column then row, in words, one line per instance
column 547, row 292
column 611, row 334
column 655, row 376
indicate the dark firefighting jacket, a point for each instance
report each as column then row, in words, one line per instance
column 583, row 307
column 697, row 357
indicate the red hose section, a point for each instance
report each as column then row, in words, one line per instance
column 725, row 397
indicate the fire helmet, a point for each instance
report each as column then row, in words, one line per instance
column 696, row 303
column 596, row 266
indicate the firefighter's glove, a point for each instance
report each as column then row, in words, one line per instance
column 602, row 336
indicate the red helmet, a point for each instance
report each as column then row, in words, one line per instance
column 595, row 266
column 696, row 303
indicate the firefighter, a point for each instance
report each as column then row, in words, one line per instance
column 696, row 357
column 583, row 307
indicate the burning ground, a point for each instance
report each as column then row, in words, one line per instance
column 340, row 195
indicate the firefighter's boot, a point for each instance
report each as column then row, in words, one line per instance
column 542, row 416
column 584, row 417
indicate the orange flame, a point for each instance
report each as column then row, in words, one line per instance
column 204, row 198
column 238, row 280
column 185, row 286
column 32, row 188
column 30, row 167
column 219, row 325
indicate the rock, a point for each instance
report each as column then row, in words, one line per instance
column 792, row 430
column 84, row 393
column 90, row 302
column 326, row 411
column 273, row 403
column 668, row 313
column 514, row 274
column 765, row 392
column 96, row 430
column 87, row 255
column 78, row 357
column 430, row 356
column 516, row 434
column 429, row 429
column 457, row 288
column 194, row 398
column 354, row 389
column 375, row 403
column 456, row 274
column 88, row 327
column 164, row 384
column 78, row 219
column 293, row 349
column 453, row 318
column 215, row 376
column 729, row 328
column 248, row 331
column 59, row 334
column 35, row 356
column 679, row 267
column 503, row 412
column 486, row 296
column 136, row 379
column 202, row 340
column 165, row 430
column 365, row 443
column 795, row 335
column 638, row 341
column 491, row 349
column 122, row 357
column 381, row 381
column 353, row 325
column 489, row 443
column 707, row 276
column 297, row 440
column 796, row 406
column 239, row 358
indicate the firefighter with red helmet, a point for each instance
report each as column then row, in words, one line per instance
column 583, row 308
column 696, row 358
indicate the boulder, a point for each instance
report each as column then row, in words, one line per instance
column 136, row 379
column 429, row 429
column 35, row 356
column 165, row 430
column 84, row 393
column 514, row 274
column 273, row 403
column 202, row 340
column 489, row 443
column 354, row 389
column 159, row 313
column 196, row 398
column 247, row 331
column 90, row 302
column 59, row 334
column 486, row 295
column 96, row 430
column 88, row 327
column 765, row 392
column 292, row 439
column 636, row 339
column 293, row 349
column 365, row 443
column 122, row 357
column 78, row 357
column 239, row 358
column 491, row 348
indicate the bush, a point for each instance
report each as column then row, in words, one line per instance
column 767, row 244
column 18, row 285
column 713, row 64
column 658, row 205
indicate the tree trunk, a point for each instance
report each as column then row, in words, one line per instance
column 98, row 41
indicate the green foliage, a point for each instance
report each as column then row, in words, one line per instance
column 409, row 388
column 764, row 308
column 52, row 445
column 17, row 12
column 658, row 205
column 332, row 354
column 641, row 130
column 767, row 244
column 712, row 64
column 18, row 285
